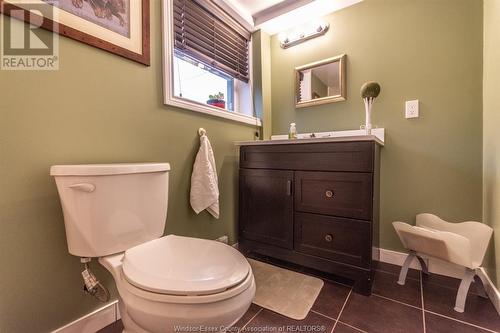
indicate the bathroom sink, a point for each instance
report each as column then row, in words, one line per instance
column 378, row 132
column 378, row 135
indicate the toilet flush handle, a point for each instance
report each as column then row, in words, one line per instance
column 84, row 187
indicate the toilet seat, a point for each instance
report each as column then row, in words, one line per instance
column 175, row 265
column 247, row 283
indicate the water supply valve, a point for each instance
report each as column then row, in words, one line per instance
column 90, row 280
column 92, row 286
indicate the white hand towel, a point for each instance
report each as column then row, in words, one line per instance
column 204, row 183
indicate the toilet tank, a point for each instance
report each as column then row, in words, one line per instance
column 109, row 208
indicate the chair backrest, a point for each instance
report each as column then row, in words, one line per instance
column 421, row 240
column 477, row 233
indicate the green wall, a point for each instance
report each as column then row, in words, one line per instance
column 491, row 138
column 429, row 50
column 98, row 108
column 261, row 61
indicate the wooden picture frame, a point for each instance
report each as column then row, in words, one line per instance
column 341, row 96
column 139, row 53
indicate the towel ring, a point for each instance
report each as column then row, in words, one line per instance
column 201, row 131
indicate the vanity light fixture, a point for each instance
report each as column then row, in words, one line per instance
column 298, row 37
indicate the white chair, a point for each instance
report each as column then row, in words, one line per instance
column 462, row 244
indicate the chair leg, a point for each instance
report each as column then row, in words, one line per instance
column 464, row 289
column 423, row 265
column 481, row 289
column 404, row 269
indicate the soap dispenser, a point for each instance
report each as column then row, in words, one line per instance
column 292, row 132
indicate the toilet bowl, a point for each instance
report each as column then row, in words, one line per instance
column 117, row 213
column 181, row 284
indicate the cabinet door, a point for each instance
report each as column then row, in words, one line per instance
column 266, row 206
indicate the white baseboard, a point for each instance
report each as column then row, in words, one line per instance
column 434, row 265
column 393, row 257
column 437, row 266
column 94, row 321
column 491, row 290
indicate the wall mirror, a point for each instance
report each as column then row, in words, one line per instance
column 321, row 82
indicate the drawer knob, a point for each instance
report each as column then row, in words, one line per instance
column 329, row 238
column 329, row 193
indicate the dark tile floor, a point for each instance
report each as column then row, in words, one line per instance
column 422, row 305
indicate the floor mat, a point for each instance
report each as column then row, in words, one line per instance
column 283, row 291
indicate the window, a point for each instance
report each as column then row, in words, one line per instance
column 198, row 82
column 207, row 61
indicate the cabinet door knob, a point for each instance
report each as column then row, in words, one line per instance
column 329, row 193
column 328, row 237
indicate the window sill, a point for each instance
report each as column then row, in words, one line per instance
column 213, row 111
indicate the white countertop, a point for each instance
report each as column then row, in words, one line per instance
column 315, row 140
column 340, row 136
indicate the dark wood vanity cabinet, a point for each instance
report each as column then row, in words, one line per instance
column 313, row 205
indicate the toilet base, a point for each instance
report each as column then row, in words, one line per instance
column 132, row 327
column 236, row 308
column 129, row 326
column 185, row 318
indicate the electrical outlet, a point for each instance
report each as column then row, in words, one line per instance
column 223, row 239
column 411, row 110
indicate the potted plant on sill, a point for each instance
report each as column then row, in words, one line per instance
column 217, row 100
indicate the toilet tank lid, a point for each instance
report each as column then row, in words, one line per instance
column 107, row 169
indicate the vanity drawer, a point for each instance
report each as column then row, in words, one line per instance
column 343, row 194
column 331, row 156
column 343, row 240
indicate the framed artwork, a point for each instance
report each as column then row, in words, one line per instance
column 117, row 26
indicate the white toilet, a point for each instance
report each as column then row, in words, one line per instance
column 117, row 212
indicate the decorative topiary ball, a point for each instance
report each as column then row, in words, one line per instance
column 370, row 90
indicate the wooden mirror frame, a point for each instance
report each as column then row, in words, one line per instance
column 328, row 99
